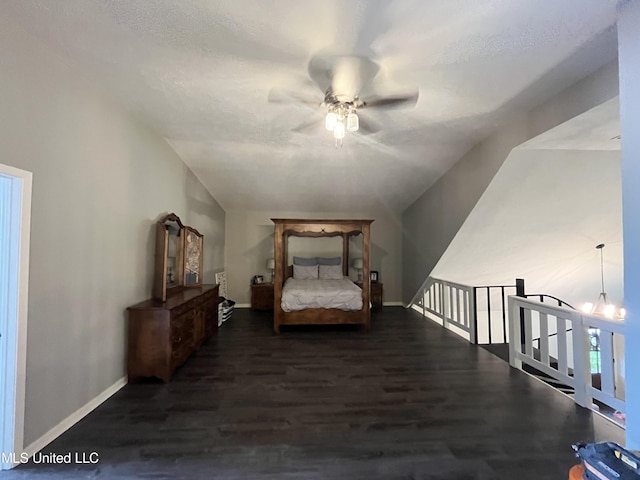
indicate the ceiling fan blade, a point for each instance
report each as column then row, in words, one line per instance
column 308, row 127
column 279, row 95
column 344, row 75
column 392, row 101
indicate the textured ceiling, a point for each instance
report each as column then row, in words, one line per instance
column 200, row 72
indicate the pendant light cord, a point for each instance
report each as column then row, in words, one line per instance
column 602, row 268
column 601, row 247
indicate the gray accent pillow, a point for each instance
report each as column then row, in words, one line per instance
column 307, row 262
column 329, row 260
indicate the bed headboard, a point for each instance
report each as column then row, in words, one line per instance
column 288, row 272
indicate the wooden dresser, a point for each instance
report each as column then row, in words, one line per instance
column 162, row 335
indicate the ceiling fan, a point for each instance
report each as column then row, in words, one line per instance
column 343, row 78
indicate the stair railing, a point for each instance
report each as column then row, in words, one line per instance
column 486, row 330
column 456, row 307
column 561, row 303
column 572, row 345
column 450, row 304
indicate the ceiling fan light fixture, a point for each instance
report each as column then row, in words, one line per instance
column 353, row 122
column 330, row 121
column 339, row 131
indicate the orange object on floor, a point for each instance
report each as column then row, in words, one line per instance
column 576, row 473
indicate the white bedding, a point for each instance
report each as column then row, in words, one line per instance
column 300, row 294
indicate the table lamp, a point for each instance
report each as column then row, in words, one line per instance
column 358, row 265
column 271, row 265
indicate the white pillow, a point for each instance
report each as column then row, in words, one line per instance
column 305, row 272
column 330, row 272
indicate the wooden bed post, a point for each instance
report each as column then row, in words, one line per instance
column 345, row 254
column 366, row 276
column 281, row 263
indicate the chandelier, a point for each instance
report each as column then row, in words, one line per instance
column 602, row 307
column 341, row 116
column 341, row 119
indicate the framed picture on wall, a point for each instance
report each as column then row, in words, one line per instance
column 374, row 275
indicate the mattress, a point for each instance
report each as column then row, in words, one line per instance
column 301, row 294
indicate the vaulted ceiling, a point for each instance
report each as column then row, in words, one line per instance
column 200, row 73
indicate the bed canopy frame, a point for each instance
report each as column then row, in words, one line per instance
column 283, row 229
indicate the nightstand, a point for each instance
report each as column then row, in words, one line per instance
column 376, row 294
column 262, row 296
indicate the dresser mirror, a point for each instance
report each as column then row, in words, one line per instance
column 169, row 261
column 178, row 257
column 192, row 256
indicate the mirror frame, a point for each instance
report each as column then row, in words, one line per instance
column 200, row 238
column 160, row 288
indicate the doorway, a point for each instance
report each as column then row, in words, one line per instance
column 15, row 224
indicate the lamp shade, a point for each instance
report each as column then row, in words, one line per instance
column 357, row 263
column 271, row 263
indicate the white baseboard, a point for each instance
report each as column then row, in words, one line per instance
column 386, row 304
column 74, row 418
column 393, row 304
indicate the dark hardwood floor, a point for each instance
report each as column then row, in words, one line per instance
column 407, row 401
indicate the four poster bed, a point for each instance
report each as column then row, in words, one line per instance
column 347, row 304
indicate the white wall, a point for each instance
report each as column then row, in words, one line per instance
column 432, row 221
column 540, row 219
column 629, row 49
column 249, row 242
column 100, row 180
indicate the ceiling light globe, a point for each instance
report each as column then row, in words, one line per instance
column 609, row 310
column 587, row 307
column 339, row 131
column 353, row 122
column 330, row 121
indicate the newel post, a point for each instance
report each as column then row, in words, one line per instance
column 520, row 293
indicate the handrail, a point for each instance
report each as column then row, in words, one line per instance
column 561, row 303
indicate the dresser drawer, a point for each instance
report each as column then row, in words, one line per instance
column 182, row 329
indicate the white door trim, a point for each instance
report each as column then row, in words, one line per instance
column 15, row 335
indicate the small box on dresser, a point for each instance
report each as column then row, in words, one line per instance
column 163, row 335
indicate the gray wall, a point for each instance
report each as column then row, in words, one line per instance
column 432, row 221
column 250, row 242
column 100, row 181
